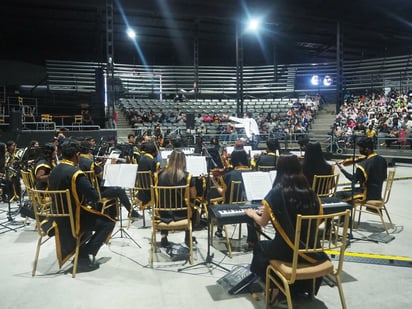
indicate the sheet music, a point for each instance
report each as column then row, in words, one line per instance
column 120, row 175
column 255, row 153
column 298, row 153
column 166, row 154
column 196, row 165
column 257, row 185
column 229, row 149
column 272, row 175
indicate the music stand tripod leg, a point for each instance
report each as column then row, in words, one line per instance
column 10, row 219
column 121, row 229
column 209, row 257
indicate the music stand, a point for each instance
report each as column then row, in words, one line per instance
column 121, row 171
column 353, row 182
column 209, row 256
column 5, row 225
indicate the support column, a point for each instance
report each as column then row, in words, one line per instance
column 339, row 66
column 110, row 89
column 196, row 60
column 239, row 72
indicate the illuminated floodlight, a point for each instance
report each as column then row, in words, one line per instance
column 315, row 80
column 131, row 33
column 253, row 24
column 327, row 81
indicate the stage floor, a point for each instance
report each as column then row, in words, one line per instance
column 374, row 274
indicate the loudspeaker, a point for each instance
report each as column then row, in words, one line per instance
column 15, row 121
column 190, row 121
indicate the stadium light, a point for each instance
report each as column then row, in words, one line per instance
column 131, row 33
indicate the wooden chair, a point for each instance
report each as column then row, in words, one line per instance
column 78, row 120
column 144, row 183
column 50, row 206
column 308, row 229
column 171, row 199
column 46, row 120
column 236, row 196
column 28, row 179
column 28, row 113
column 325, row 185
column 29, row 182
column 107, row 204
column 377, row 207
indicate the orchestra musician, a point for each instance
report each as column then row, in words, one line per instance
column 132, row 149
column 147, row 162
column 240, row 162
column 175, row 174
column 86, row 163
column 370, row 173
column 44, row 166
column 270, row 157
column 289, row 196
column 31, row 154
column 67, row 175
column 314, row 162
column 12, row 170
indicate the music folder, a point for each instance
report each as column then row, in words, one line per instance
column 196, row 165
column 258, row 184
column 120, row 175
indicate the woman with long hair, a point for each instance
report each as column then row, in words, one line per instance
column 175, row 174
column 290, row 195
column 314, row 162
column 44, row 166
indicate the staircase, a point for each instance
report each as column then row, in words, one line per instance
column 322, row 124
column 122, row 126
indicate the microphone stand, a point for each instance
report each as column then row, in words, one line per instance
column 209, row 256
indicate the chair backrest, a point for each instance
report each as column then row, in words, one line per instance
column 46, row 118
column 91, row 175
column 309, row 228
column 28, row 179
column 237, row 194
column 264, row 168
column 144, row 180
column 172, row 198
column 388, row 187
column 78, row 119
column 52, row 204
column 313, row 236
column 325, row 185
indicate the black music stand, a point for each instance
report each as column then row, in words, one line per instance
column 121, row 230
column 11, row 224
column 209, row 256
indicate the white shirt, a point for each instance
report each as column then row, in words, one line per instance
column 249, row 124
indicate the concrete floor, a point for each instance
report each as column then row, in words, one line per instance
column 124, row 278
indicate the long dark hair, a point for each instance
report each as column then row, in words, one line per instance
column 314, row 162
column 176, row 167
column 291, row 181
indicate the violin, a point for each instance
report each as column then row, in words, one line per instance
column 225, row 159
column 350, row 161
column 218, row 172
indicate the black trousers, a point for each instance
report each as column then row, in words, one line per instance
column 102, row 228
column 113, row 192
